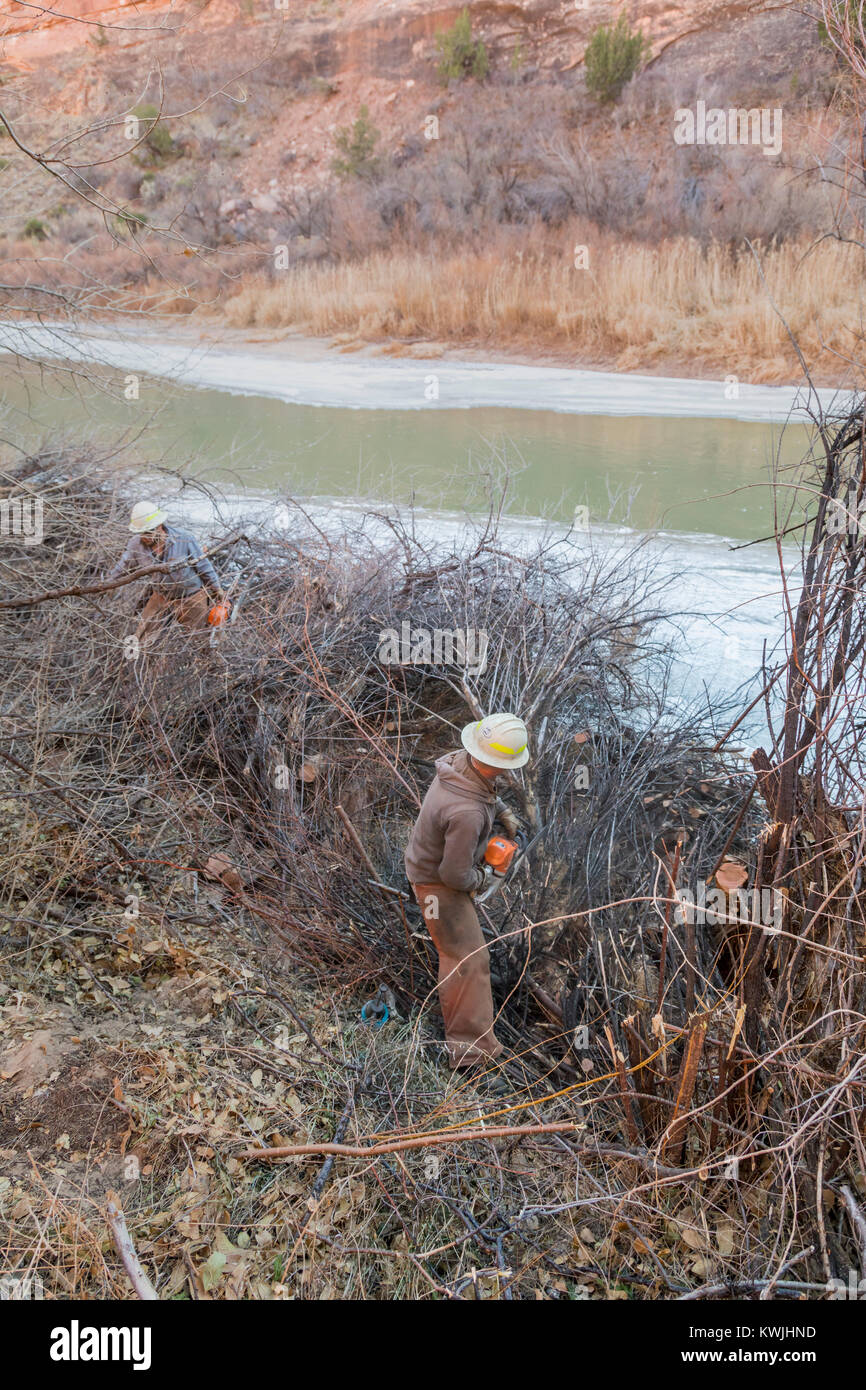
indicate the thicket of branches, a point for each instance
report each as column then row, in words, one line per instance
column 694, row 1085
column 708, row 1076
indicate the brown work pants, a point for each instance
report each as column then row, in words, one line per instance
column 190, row 612
column 464, row 973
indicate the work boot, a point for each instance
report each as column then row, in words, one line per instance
column 486, row 1078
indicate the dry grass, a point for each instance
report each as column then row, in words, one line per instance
column 636, row 304
column 677, row 305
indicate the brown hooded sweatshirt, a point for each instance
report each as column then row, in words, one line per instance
column 453, row 827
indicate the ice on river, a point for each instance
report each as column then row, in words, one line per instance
column 314, row 375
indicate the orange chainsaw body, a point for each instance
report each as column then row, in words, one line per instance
column 499, row 854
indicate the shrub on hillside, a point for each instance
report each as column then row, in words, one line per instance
column 356, row 145
column 157, row 138
column 614, row 54
column 459, row 54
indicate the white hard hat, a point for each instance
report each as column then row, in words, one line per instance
column 499, row 740
column 146, row 516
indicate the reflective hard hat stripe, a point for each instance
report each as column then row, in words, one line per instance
column 500, row 747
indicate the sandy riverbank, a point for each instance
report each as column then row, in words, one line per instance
column 312, row 371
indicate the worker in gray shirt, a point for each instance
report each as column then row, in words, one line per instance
column 180, row 592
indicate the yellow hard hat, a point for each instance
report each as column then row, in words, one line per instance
column 146, row 516
column 499, row 740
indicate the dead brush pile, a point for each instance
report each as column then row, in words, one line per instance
column 203, row 885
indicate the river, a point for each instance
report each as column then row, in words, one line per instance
column 634, row 452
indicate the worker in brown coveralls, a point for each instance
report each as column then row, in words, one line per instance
column 444, row 865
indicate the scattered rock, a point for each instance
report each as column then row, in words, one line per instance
column 264, row 202
column 32, row 1061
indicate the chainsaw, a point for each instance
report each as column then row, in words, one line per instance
column 224, row 611
column 504, row 857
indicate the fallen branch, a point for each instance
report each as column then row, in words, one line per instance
column 611, row 1152
column 746, row 1286
column 858, row 1222
column 126, row 1250
column 325, row 1171
column 416, row 1142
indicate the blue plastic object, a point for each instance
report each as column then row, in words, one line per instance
column 375, row 1012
